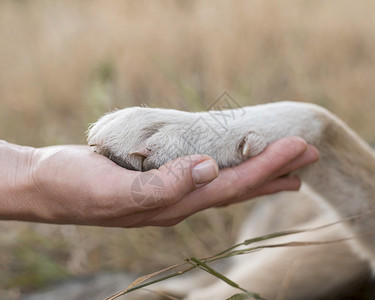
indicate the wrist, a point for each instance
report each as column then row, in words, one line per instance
column 16, row 182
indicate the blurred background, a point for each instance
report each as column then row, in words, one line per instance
column 65, row 63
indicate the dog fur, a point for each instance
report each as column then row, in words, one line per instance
column 340, row 186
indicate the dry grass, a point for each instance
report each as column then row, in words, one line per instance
column 64, row 63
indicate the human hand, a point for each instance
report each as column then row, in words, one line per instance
column 73, row 185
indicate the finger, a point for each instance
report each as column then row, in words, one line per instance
column 278, row 184
column 180, row 177
column 234, row 183
column 309, row 156
column 292, row 183
column 255, row 172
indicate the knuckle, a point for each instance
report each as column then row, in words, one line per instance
column 171, row 195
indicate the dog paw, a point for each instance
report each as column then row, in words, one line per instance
column 141, row 139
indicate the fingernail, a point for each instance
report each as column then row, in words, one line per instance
column 205, row 172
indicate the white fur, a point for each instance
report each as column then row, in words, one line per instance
column 344, row 178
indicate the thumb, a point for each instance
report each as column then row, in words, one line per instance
column 186, row 174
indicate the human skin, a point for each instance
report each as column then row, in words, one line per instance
column 70, row 184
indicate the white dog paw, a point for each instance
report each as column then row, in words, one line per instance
column 146, row 138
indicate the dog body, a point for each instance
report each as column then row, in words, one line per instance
column 340, row 186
